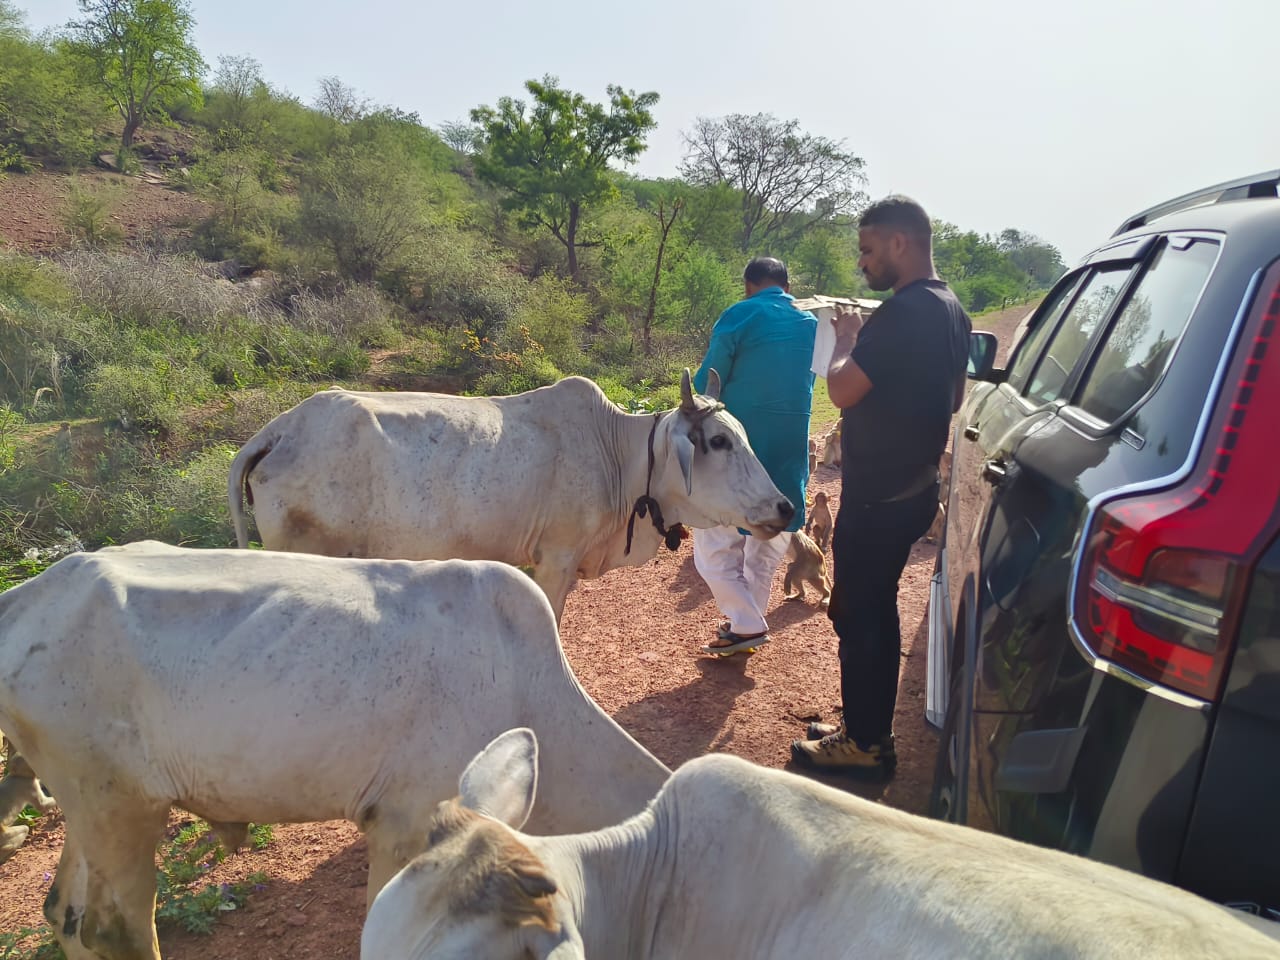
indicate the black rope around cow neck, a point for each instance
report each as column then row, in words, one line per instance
column 647, row 505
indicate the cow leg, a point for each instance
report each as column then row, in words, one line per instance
column 392, row 844
column 102, row 905
column 556, row 576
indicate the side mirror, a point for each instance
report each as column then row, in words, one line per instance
column 982, row 355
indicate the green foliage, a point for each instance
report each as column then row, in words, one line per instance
column 10, row 423
column 89, row 211
column 45, row 111
column 185, row 859
column 556, row 318
column 371, row 194
column 552, row 159
column 455, row 279
column 140, row 54
column 148, row 397
column 825, row 261
column 698, row 289
column 988, row 273
column 30, row 943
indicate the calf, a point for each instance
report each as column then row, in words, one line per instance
column 735, row 860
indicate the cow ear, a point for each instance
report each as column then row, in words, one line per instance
column 713, row 384
column 684, row 456
column 502, row 780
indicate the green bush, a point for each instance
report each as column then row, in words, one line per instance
column 556, row 318
column 533, row 371
column 10, row 423
column 452, row 277
column 193, row 499
column 89, row 211
column 141, row 397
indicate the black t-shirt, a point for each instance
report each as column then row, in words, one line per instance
column 914, row 349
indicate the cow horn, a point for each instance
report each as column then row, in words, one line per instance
column 686, row 392
column 713, row 384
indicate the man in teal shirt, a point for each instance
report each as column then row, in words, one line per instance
column 762, row 347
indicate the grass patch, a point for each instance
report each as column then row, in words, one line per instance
column 824, row 413
column 181, row 901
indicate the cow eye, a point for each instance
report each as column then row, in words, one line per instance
column 719, row 442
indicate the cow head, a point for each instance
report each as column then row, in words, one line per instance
column 478, row 890
column 713, row 477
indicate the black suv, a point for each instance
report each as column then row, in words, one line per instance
column 1104, row 622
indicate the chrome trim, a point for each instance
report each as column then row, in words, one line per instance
column 1177, row 476
column 1197, row 617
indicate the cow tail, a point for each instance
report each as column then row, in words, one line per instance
column 238, row 489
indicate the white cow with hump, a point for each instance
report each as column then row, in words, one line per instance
column 253, row 686
column 548, row 478
column 732, row 860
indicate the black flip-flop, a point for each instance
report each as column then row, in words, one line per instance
column 738, row 644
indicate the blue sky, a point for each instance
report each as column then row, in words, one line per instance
column 1056, row 118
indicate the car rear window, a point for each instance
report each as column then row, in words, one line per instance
column 1137, row 348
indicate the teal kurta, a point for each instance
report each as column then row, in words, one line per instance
column 762, row 347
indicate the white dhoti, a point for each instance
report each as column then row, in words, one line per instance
column 739, row 570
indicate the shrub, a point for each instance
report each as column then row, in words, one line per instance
column 148, row 397
column 452, row 277
column 556, row 318
column 147, row 289
column 89, row 211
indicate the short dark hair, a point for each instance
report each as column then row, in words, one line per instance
column 897, row 212
column 766, row 268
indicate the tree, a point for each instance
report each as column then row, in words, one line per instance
column 44, row 108
column 787, row 180
column 340, row 102
column 460, row 136
column 666, row 214
column 235, row 98
column 552, row 157
column 140, row 53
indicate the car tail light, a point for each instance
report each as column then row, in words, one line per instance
column 1163, row 575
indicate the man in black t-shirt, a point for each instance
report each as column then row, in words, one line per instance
column 897, row 379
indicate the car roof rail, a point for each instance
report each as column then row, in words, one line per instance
column 1259, row 185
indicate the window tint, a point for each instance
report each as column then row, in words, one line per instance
column 1094, row 303
column 1138, row 346
column 1029, row 349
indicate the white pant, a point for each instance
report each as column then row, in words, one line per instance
column 739, row 570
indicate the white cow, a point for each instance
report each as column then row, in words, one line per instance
column 272, row 687
column 548, row 478
column 736, row 861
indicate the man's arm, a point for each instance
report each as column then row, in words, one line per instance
column 847, row 384
column 720, row 353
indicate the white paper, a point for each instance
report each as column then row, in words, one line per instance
column 824, row 347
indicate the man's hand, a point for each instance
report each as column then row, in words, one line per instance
column 847, row 321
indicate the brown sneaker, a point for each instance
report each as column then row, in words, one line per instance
column 838, row 753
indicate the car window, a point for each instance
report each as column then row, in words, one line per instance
column 1028, row 349
column 1137, row 347
column 1072, row 336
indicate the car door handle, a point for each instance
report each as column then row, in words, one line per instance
column 971, row 432
column 994, row 472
